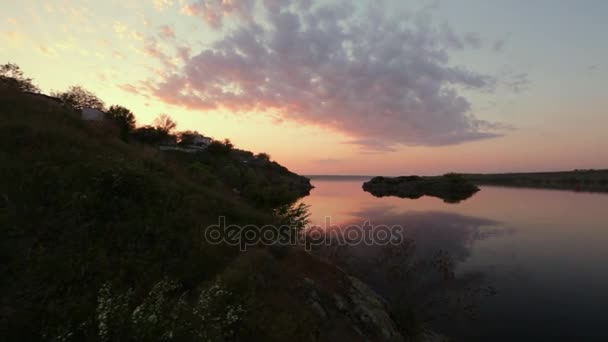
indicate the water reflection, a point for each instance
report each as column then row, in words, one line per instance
column 448, row 198
column 544, row 252
column 419, row 274
column 433, row 231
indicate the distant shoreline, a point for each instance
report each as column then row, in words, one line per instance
column 338, row 177
column 576, row 180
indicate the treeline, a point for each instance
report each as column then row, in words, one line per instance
column 77, row 97
column 578, row 180
column 255, row 177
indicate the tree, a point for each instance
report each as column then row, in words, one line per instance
column 124, row 119
column 79, row 98
column 164, row 123
column 228, row 144
column 263, row 156
column 187, row 137
column 218, row 148
column 12, row 77
column 149, row 135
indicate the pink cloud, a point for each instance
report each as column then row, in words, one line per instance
column 129, row 88
column 377, row 77
column 214, row 11
column 154, row 50
column 166, row 32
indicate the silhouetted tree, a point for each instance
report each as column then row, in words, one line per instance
column 124, row 119
column 228, row 144
column 165, row 123
column 12, row 77
column 79, row 98
column 149, row 135
column 263, row 156
column 219, row 148
column 187, row 137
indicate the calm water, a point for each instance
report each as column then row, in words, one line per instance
column 527, row 264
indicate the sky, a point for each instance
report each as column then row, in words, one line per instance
column 389, row 87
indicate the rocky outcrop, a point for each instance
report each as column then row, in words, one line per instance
column 451, row 188
column 370, row 310
column 301, row 298
column 363, row 310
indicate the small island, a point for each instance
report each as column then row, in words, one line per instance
column 451, row 188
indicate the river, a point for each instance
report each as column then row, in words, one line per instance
column 506, row 264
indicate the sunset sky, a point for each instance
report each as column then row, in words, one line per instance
column 341, row 87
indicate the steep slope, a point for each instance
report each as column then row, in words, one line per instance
column 102, row 240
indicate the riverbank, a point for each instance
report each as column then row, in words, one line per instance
column 107, row 240
column 577, row 180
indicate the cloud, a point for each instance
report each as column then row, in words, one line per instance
column 184, row 52
column 102, row 76
column 119, row 28
column 498, row 45
column 13, row 37
column 103, row 43
column 214, row 11
column 473, row 40
column 137, row 35
column 118, row 55
column 454, row 41
column 166, row 32
column 141, row 89
column 47, row 51
column 154, row 50
column 161, row 5
column 383, row 80
column 129, row 88
column 516, row 82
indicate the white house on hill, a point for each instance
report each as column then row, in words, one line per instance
column 191, row 142
column 92, row 114
column 201, row 140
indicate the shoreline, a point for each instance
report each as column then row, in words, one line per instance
column 591, row 181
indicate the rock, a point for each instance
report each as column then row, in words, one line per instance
column 451, row 188
column 309, row 281
column 319, row 310
column 429, row 336
column 371, row 311
column 340, row 303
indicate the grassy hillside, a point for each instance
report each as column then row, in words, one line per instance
column 103, row 240
column 259, row 181
column 79, row 208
